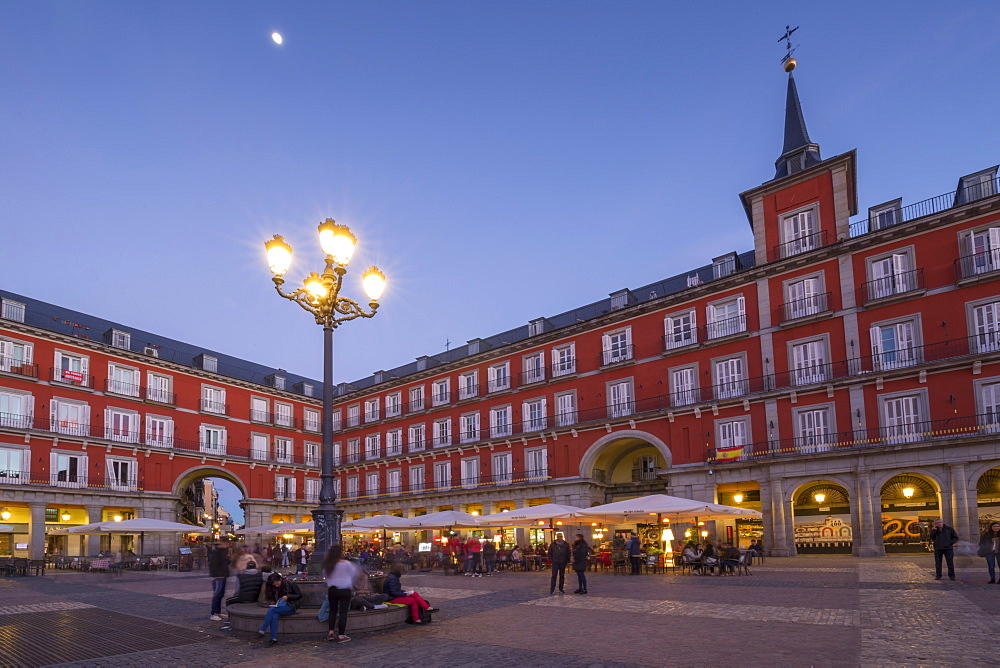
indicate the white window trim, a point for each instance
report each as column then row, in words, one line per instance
column 135, row 421
column 899, row 282
column 132, row 484
column 203, row 443
column 17, row 476
column 493, row 385
column 465, row 389
column 685, row 396
column 168, row 437
column 902, row 357
column 620, row 409
column 793, row 244
column 814, row 374
column 527, row 425
column 565, row 418
column 733, row 388
column 738, row 450
column 818, row 444
column 533, row 374
column 612, row 355
column 806, row 305
column 216, row 406
column 393, row 404
column 689, row 336
column 534, row 473
column 505, row 430
column 904, row 433
column 314, row 458
column 567, row 367
column 718, row 329
column 81, row 468
column 24, row 419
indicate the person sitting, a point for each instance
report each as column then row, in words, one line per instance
column 691, row 555
column 362, row 597
column 730, row 559
column 284, row 598
column 397, row 595
column 709, row 556
column 248, row 584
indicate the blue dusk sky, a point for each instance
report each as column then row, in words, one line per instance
column 500, row 161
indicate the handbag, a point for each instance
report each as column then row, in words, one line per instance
column 324, row 611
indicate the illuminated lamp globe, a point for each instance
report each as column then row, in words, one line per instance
column 314, row 286
column 279, row 255
column 541, row 523
column 790, row 65
column 738, row 498
column 117, row 518
column 65, row 516
column 475, row 513
column 704, row 534
column 820, row 497
column 4, row 514
column 337, row 241
column 374, row 282
column 908, row 492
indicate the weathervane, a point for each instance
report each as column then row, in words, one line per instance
column 787, row 60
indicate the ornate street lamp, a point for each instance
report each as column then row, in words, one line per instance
column 320, row 296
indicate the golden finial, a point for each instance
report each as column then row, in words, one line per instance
column 788, row 62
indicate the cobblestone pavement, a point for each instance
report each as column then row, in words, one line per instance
column 803, row 611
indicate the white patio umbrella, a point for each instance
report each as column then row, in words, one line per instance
column 144, row 525
column 6, row 528
column 633, row 510
column 94, row 528
column 440, row 520
column 263, row 528
column 301, row 527
column 529, row 517
column 377, row 522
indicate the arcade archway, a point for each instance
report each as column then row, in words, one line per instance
column 822, row 515
column 909, row 504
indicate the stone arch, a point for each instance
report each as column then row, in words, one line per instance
column 904, row 497
column 792, row 491
column 207, row 471
column 980, row 469
column 882, row 477
column 820, row 527
column 592, row 454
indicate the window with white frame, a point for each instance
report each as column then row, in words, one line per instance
column 283, row 414
column 259, row 410
column 985, row 326
column 469, row 428
column 70, row 417
column 809, row 362
column 442, row 475
column 394, row 482
column 416, row 398
column 283, row 452
column 566, row 409
column 564, row 360
column 533, row 366
column 284, row 488
column 684, row 386
column 123, row 380
column 335, row 418
column 468, row 385
column 68, row 469
column 393, row 404
column 354, row 415
column 353, row 450
column 980, row 251
column 16, row 409
column 680, row 329
column 372, row 410
column 441, row 392
column 989, row 405
column 312, row 454
column 800, row 232
column 620, row 398
column 310, row 419
column 644, row 468
column 501, row 467
column 902, row 416
column 500, row 422
column 159, row 431
column 352, row 487
column 731, row 437
column 122, row 473
column 307, row 389
column 373, row 446
column 259, row 449
column 213, row 399
column 12, row 466
column 212, row 439
column 14, row 355
column 894, row 344
column 11, row 310
column 417, row 478
column 312, row 489
column 470, row 472
column 278, row 381
column 72, row 368
column 336, row 488
column 885, row 215
column 371, row 485
column 726, row 317
column 976, row 186
column 617, row 346
column 499, row 377
column 891, row 275
column 730, row 377
column 121, row 425
column 120, row 339
column 210, row 363
column 442, row 432
column 394, row 442
column 533, row 415
column 815, row 430
column 159, row 388
column 337, row 459
column 416, row 437
column 536, row 464
column 804, row 297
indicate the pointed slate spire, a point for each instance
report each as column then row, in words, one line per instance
column 798, row 152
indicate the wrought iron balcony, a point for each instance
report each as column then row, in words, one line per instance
column 805, row 307
column 802, row 244
column 892, row 286
column 927, row 207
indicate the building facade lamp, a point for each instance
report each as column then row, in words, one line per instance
column 5, row 514
column 908, row 492
column 820, row 497
column 337, row 241
column 117, row 518
column 279, row 255
column 738, row 498
column 65, row 516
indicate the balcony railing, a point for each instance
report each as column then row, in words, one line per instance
column 891, row 286
column 680, row 339
column 534, row 375
column 159, row 396
column 122, row 388
column 416, row 406
column 217, row 407
column 977, row 264
column 65, row 479
column 986, row 424
column 927, row 207
column 470, row 482
column 67, row 377
column 800, row 245
column 468, row 392
column 617, row 355
column 12, row 365
column 498, row 384
column 805, row 307
column 727, row 327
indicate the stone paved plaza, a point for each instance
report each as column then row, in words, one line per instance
column 802, row 611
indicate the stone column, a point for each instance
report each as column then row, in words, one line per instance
column 36, row 531
column 781, row 512
column 959, row 516
column 94, row 514
column 867, row 541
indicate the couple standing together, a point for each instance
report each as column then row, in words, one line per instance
column 560, row 553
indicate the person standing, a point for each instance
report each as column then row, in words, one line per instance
column 339, row 574
column 559, row 556
column 581, row 562
column 301, row 558
column 489, row 556
column 944, row 539
column 634, row 549
column 218, row 570
column 989, row 547
column 473, row 558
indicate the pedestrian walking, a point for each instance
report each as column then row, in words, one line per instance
column 339, row 574
column 218, row 570
column 559, row 556
column 944, row 539
column 634, row 549
column 301, row 558
column 581, row 562
column 989, row 548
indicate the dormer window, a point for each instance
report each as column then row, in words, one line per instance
column 800, row 231
column 277, row 381
column 207, row 362
column 724, row 265
column 976, row 186
column 119, row 339
column 11, row 310
column 885, row 215
column 621, row 299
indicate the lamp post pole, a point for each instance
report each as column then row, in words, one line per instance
column 320, row 296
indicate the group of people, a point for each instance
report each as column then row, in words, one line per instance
column 561, row 554
column 708, row 557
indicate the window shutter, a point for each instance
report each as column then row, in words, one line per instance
column 876, row 337
column 741, row 305
column 710, row 314
column 995, row 247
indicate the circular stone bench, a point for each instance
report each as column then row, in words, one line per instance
column 250, row 616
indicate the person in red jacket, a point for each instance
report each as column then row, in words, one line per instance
column 473, row 559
